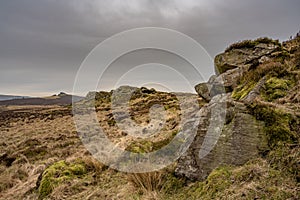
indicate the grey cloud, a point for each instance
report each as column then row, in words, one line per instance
column 50, row 38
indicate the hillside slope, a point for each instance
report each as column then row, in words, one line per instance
column 256, row 157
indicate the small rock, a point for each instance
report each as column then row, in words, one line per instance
column 207, row 91
column 263, row 59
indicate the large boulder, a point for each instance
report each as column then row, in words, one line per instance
column 242, row 138
column 231, row 65
column 236, row 57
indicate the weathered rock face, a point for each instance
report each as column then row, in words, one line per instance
column 241, row 139
column 256, row 77
column 238, row 57
column 230, row 78
column 231, row 65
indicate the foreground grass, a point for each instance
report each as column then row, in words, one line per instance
column 258, row 179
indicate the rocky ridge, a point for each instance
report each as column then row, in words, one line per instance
column 253, row 77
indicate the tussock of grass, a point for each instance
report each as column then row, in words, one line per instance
column 6, row 181
column 152, row 181
column 159, row 182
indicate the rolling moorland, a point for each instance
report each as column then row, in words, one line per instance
column 56, row 99
column 256, row 157
column 10, row 97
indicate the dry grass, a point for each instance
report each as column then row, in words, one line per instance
column 264, row 69
column 252, row 43
column 36, row 137
column 156, row 185
column 148, row 182
column 60, row 142
column 7, row 181
column 93, row 164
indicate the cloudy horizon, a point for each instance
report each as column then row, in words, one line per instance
column 43, row 43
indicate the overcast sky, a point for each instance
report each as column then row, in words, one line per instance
column 43, row 42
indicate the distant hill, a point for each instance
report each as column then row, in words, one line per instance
column 60, row 99
column 10, row 97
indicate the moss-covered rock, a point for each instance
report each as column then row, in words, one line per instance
column 58, row 173
column 276, row 88
column 243, row 90
column 245, row 52
column 278, row 124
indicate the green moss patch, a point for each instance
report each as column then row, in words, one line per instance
column 278, row 124
column 254, row 180
column 242, row 91
column 252, row 77
column 286, row 158
column 146, row 146
column 276, row 88
column 59, row 173
column 217, row 181
column 141, row 147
